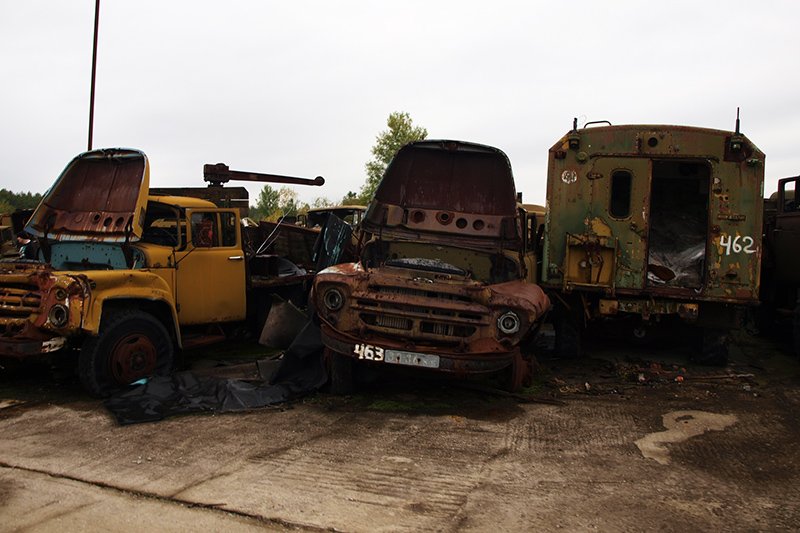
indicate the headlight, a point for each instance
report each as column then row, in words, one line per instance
column 508, row 323
column 333, row 299
column 58, row 315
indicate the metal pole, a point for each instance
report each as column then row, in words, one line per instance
column 94, row 70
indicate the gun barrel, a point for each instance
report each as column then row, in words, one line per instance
column 220, row 173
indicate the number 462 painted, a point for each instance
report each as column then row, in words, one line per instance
column 736, row 244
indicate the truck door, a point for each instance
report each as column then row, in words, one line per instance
column 620, row 190
column 786, row 236
column 211, row 269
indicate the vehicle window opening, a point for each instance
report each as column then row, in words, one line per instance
column 788, row 196
column 228, row 229
column 161, row 225
column 205, row 232
column 621, row 183
column 679, row 204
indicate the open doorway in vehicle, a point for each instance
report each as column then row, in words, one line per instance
column 678, row 229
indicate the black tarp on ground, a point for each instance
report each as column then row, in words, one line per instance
column 302, row 370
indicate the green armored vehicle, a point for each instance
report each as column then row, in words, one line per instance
column 653, row 224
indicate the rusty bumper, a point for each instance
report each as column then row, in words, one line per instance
column 21, row 349
column 383, row 351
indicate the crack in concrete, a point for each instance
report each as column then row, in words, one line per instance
column 214, row 507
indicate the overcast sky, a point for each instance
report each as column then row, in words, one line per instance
column 302, row 88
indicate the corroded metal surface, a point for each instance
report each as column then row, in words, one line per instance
column 100, row 196
column 661, row 212
column 37, row 306
column 441, row 279
column 448, row 188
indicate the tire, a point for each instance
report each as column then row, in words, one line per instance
column 131, row 345
column 568, row 336
column 518, row 374
column 796, row 330
column 641, row 335
column 341, row 373
column 713, row 348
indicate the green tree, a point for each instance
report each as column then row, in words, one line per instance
column 321, row 201
column 351, row 198
column 287, row 202
column 6, row 208
column 267, row 203
column 22, row 200
column 401, row 131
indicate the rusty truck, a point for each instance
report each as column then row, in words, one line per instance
column 316, row 217
column 127, row 277
column 443, row 280
column 651, row 225
column 780, row 265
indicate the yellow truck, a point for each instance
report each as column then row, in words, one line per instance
column 128, row 277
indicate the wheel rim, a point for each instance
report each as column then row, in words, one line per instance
column 132, row 358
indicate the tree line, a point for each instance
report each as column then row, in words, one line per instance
column 11, row 201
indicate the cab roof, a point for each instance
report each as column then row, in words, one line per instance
column 182, row 201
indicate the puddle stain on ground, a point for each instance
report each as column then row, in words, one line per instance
column 681, row 426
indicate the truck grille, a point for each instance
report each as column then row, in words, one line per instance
column 420, row 314
column 19, row 301
column 417, row 292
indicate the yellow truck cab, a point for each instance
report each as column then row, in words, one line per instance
column 122, row 276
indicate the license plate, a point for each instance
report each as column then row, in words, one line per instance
column 399, row 357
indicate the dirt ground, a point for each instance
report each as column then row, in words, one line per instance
column 627, row 439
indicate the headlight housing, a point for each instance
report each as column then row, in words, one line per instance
column 333, row 299
column 508, row 323
column 58, row 315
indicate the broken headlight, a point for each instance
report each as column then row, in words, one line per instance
column 58, row 315
column 333, row 299
column 508, row 323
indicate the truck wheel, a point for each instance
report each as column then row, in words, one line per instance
column 518, row 374
column 568, row 336
column 641, row 335
column 796, row 330
column 713, row 348
column 341, row 373
column 131, row 345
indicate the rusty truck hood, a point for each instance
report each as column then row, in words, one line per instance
column 100, row 196
column 452, row 188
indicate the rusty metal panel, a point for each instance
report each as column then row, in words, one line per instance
column 682, row 204
column 37, row 308
column 441, row 281
column 101, row 195
column 447, row 187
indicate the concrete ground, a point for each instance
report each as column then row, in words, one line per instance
column 624, row 440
